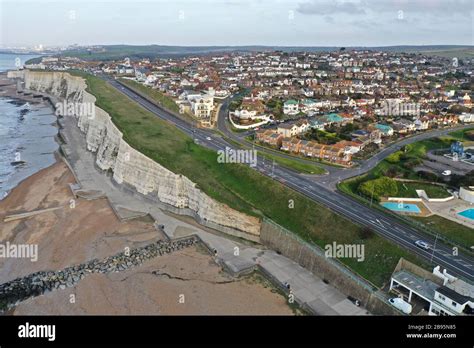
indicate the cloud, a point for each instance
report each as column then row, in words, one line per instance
column 328, row 7
column 441, row 8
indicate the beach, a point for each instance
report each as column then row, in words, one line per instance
column 69, row 236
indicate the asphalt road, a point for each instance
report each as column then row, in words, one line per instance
column 387, row 226
column 334, row 173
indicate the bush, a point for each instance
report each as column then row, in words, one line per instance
column 394, row 157
column 381, row 187
column 392, row 172
column 429, row 176
column 412, row 162
column 469, row 135
column 366, row 233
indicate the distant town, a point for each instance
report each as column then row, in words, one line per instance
column 334, row 107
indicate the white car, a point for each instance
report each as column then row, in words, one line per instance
column 398, row 303
column 446, row 173
column 423, row 245
column 208, row 138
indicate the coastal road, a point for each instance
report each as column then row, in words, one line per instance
column 387, row 226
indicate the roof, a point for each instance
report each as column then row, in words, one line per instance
column 334, row 118
column 453, row 295
column 383, row 127
column 290, row 102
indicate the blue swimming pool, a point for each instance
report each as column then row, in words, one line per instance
column 402, row 207
column 469, row 213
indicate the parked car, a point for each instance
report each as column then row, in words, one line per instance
column 400, row 304
column 208, row 138
column 446, row 173
column 422, row 244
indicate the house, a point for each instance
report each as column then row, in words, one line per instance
column 269, row 137
column 450, row 296
column 421, row 124
column 201, row 106
column 466, row 118
column 351, row 147
column 308, row 105
column 291, row 145
column 290, row 107
column 403, row 126
column 337, row 153
column 386, row 130
column 288, row 130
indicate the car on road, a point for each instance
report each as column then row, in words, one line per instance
column 208, row 138
column 400, row 304
column 422, row 244
column 446, row 173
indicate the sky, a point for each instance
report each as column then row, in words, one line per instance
column 236, row 22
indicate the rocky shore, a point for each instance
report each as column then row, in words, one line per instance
column 20, row 289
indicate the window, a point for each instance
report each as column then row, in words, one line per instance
column 454, row 304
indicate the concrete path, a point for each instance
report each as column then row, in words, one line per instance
column 309, row 290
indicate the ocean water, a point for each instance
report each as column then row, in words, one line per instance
column 27, row 135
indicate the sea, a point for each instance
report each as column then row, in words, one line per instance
column 27, row 134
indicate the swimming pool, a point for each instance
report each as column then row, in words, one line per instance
column 469, row 213
column 402, row 207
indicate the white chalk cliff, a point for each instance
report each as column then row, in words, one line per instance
column 132, row 167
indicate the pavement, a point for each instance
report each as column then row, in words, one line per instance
column 385, row 225
column 309, row 290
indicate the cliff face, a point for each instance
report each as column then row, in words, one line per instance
column 132, row 167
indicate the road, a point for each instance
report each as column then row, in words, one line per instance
column 387, row 226
column 334, row 174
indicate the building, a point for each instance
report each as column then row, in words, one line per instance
column 202, row 106
column 291, row 107
column 434, row 294
column 270, row 137
column 288, row 130
column 386, row 130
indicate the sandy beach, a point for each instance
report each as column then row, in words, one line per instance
column 68, row 236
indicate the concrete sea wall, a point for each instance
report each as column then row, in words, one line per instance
column 312, row 258
column 133, row 169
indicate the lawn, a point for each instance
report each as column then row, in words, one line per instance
column 241, row 187
column 408, row 190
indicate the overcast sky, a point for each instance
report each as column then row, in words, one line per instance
column 237, row 22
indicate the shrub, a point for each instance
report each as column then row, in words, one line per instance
column 392, row 172
column 379, row 187
column 429, row 176
column 412, row 162
column 394, row 157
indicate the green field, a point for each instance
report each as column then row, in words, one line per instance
column 243, row 188
column 456, row 232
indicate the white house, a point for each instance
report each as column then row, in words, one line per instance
column 466, row 118
column 202, row 105
column 291, row 107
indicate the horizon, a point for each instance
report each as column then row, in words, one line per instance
column 283, row 23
